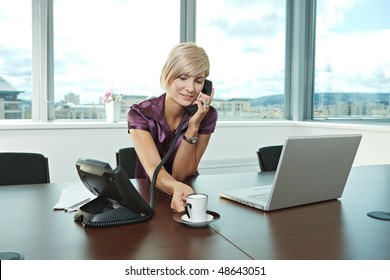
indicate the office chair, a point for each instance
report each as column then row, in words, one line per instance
column 17, row 168
column 127, row 159
column 22, row 168
column 269, row 157
column 11, row 256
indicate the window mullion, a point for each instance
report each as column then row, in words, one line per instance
column 288, row 61
column 187, row 21
column 302, row 59
column 41, row 59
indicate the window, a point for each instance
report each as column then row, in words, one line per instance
column 352, row 61
column 110, row 45
column 245, row 41
column 15, row 59
column 122, row 45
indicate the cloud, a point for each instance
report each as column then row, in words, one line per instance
column 358, row 61
column 244, row 19
column 15, row 65
column 266, row 27
column 120, row 44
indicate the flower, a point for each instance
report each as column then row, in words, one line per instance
column 110, row 96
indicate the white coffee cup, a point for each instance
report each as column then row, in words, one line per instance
column 196, row 207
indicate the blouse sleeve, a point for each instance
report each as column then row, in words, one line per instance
column 137, row 120
column 209, row 122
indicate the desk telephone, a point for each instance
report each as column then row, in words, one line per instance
column 117, row 203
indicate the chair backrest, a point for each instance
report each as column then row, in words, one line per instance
column 17, row 168
column 269, row 157
column 127, row 159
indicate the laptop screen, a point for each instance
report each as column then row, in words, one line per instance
column 310, row 169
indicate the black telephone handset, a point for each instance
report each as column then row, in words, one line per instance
column 207, row 89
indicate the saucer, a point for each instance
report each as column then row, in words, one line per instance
column 182, row 218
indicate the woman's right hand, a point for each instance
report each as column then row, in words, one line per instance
column 179, row 196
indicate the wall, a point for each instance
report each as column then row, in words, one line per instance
column 374, row 147
column 232, row 147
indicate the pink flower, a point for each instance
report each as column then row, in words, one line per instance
column 107, row 96
column 110, row 96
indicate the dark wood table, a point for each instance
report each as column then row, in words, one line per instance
column 338, row 229
column 30, row 226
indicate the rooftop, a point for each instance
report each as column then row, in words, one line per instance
column 5, row 87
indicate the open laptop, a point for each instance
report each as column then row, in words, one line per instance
column 311, row 169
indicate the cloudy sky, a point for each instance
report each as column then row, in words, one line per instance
column 353, row 39
column 122, row 45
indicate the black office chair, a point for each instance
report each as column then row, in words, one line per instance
column 17, row 168
column 22, row 168
column 269, row 157
column 11, row 256
column 127, row 159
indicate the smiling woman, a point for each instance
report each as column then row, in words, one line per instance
column 162, row 131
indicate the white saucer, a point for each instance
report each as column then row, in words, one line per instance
column 182, row 218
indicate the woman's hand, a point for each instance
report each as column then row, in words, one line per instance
column 179, row 196
column 203, row 101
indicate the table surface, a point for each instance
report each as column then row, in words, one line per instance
column 30, row 226
column 337, row 229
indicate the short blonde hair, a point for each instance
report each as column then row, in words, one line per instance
column 184, row 59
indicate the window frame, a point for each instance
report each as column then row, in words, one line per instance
column 309, row 97
column 42, row 62
column 299, row 61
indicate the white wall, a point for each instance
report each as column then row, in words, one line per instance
column 374, row 147
column 230, row 147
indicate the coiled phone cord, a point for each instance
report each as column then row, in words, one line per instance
column 165, row 158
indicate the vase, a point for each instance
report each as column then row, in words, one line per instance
column 113, row 111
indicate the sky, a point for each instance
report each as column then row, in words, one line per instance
column 352, row 46
column 115, row 46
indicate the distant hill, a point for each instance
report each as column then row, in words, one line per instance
column 327, row 98
column 270, row 100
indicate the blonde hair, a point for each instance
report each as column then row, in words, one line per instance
column 184, row 59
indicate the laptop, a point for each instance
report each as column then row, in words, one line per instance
column 310, row 169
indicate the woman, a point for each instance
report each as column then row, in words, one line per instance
column 152, row 123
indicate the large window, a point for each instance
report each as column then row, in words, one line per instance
column 15, row 59
column 121, row 45
column 352, row 61
column 245, row 41
column 118, row 45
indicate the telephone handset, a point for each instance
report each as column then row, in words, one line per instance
column 207, row 88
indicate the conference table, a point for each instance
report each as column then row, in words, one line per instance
column 331, row 230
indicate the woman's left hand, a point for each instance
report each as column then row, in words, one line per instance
column 203, row 101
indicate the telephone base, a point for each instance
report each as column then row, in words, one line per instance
column 100, row 212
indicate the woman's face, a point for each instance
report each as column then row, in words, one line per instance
column 185, row 89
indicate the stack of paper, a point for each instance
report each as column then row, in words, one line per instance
column 73, row 198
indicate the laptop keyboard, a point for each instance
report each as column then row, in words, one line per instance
column 262, row 198
column 263, row 194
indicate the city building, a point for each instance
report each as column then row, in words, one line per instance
column 10, row 106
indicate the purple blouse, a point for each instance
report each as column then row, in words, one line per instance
column 149, row 115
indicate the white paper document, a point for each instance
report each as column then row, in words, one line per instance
column 73, row 197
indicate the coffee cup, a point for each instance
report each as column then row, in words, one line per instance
column 196, row 207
